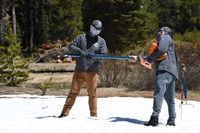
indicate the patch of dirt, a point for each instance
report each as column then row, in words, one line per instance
column 54, row 78
column 60, row 84
column 102, row 92
column 51, row 66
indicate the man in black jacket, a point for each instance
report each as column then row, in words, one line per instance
column 87, row 68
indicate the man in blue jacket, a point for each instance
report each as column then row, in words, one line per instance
column 87, row 68
column 166, row 73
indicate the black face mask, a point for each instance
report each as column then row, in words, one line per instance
column 158, row 35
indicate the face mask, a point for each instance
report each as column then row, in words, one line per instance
column 158, row 35
column 94, row 31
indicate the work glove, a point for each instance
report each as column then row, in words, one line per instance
column 83, row 54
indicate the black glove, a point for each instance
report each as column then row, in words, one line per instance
column 83, row 54
column 143, row 57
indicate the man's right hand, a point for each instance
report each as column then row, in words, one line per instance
column 83, row 54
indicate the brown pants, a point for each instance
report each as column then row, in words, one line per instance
column 79, row 78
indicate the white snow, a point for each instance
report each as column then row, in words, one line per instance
column 38, row 114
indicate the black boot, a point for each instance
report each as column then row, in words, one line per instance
column 152, row 122
column 62, row 115
column 170, row 124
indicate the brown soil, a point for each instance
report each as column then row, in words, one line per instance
column 60, row 84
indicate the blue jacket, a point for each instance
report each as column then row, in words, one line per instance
column 90, row 45
column 170, row 63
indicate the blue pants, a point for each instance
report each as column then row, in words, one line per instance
column 164, row 87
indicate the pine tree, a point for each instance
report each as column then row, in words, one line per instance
column 131, row 25
column 13, row 68
column 169, row 13
column 65, row 19
column 125, row 22
column 190, row 15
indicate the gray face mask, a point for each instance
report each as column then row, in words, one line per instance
column 94, row 31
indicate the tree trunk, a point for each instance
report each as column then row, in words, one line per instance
column 110, row 34
column 14, row 20
column 29, row 25
column 1, row 22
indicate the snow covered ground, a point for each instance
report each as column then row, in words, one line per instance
column 36, row 114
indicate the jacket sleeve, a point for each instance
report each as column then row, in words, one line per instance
column 102, row 50
column 162, row 48
column 74, row 46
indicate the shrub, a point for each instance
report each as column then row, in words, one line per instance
column 188, row 53
column 191, row 37
column 118, row 73
column 13, row 68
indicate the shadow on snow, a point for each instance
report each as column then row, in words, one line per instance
column 120, row 119
column 43, row 117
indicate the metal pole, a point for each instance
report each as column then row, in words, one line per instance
column 131, row 57
column 183, row 90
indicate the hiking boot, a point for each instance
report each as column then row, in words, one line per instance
column 152, row 122
column 170, row 124
column 93, row 115
column 62, row 115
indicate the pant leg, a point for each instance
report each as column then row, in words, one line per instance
column 169, row 98
column 91, row 83
column 160, row 84
column 77, row 82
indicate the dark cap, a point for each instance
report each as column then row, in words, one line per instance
column 97, row 24
column 166, row 29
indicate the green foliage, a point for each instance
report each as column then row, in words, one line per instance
column 151, row 9
column 168, row 13
column 66, row 19
column 125, row 22
column 44, row 86
column 192, row 37
column 131, row 28
column 189, row 12
column 13, row 69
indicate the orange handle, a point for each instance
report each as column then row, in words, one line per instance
column 145, row 64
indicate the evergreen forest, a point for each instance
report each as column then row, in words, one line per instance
column 129, row 25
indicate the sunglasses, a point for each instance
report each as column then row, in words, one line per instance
column 97, row 28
